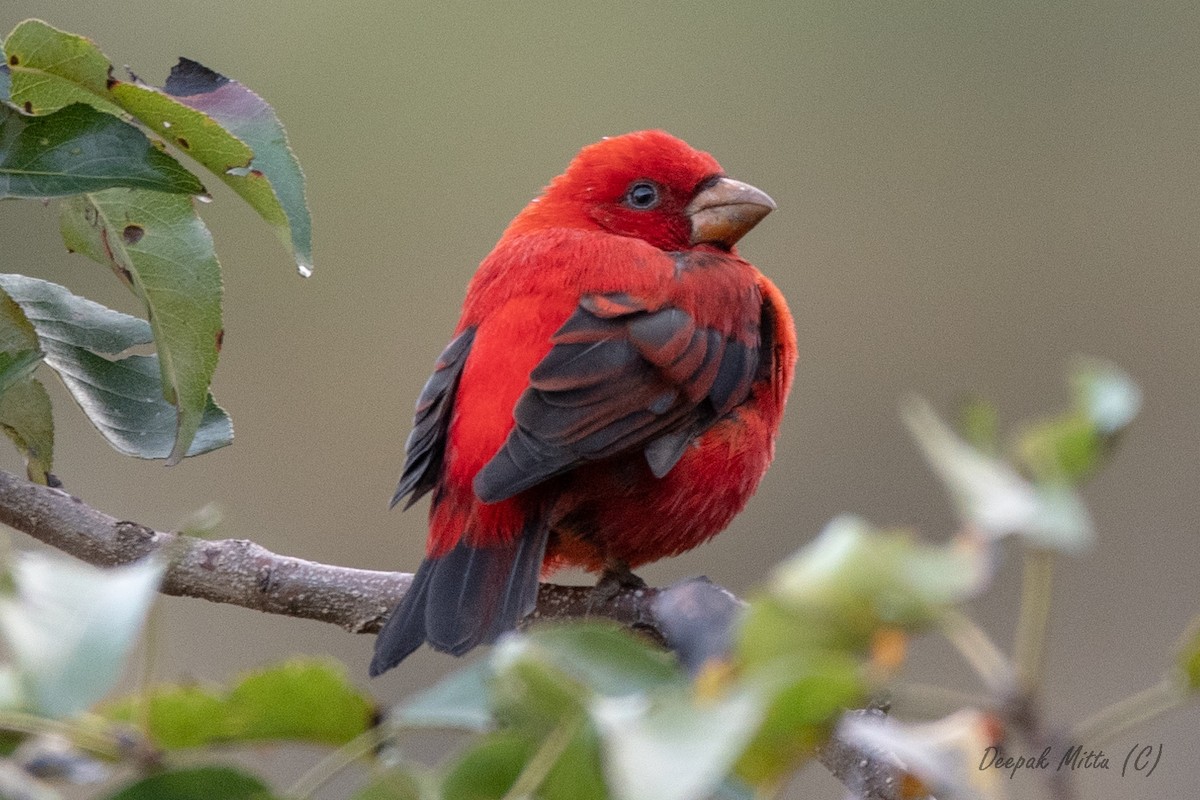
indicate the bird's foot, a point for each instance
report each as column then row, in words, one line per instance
column 616, row 578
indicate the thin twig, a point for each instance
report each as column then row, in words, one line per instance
column 1033, row 619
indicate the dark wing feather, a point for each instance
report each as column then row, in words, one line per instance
column 621, row 375
column 426, row 443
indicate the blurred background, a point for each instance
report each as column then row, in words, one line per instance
column 970, row 193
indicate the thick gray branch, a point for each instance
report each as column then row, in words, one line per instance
column 242, row 573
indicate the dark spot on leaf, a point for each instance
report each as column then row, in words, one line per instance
column 132, row 234
column 220, row 339
column 28, row 107
column 257, row 173
column 182, row 142
column 13, row 61
column 110, row 83
column 53, row 481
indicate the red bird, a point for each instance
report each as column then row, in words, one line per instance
column 611, row 394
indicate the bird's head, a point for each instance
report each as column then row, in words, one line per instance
column 652, row 186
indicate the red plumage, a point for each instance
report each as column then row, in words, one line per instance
column 610, row 397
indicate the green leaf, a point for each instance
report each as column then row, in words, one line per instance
column 71, row 626
column 20, row 351
column 223, row 125
column 26, row 418
column 673, row 748
column 79, row 149
column 991, row 496
column 805, row 695
column 1188, row 658
column 852, row 580
column 161, row 248
column 458, row 701
column 1069, row 448
column 122, row 396
column 273, row 183
column 297, row 700
column 488, row 769
column 50, row 69
column 398, row 784
column 578, row 773
column 979, row 424
column 199, row 783
column 175, row 717
column 602, row 656
column 302, row 699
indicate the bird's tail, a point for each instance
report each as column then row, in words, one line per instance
column 466, row 597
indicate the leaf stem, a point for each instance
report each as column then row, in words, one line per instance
column 85, row 738
column 1133, row 710
column 978, row 650
column 1029, row 650
column 334, row 764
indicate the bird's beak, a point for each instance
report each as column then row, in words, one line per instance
column 725, row 211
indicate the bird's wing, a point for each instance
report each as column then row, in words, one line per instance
column 623, row 374
column 426, row 443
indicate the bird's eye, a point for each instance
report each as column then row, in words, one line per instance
column 642, row 196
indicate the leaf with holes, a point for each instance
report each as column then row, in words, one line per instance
column 273, row 182
column 79, row 149
column 158, row 245
column 85, row 343
column 223, row 125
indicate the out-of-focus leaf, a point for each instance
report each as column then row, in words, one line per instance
column 457, row 701
column 945, row 756
column 296, row 700
column 530, row 693
column 199, row 783
column 489, row 767
column 398, row 784
column 1188, row 658
column 5, row 82
column 26, row 418
column 674, row 748
column 578, row 774
column 176, row 717
column 159, row 245
column 1069, row 448
column 979, row 425
column 600, row 655
column 274, row 184
column 805, row 695
column 122, row 396
column 852, row 580
column 223, row 125
column 79, row 149
column 71, row 625
column 302, row 699
column 1106, row 393
column 991, row 495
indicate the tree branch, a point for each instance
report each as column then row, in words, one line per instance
column 242, row 573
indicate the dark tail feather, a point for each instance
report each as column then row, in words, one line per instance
column 404, row 630
column 469, row 596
